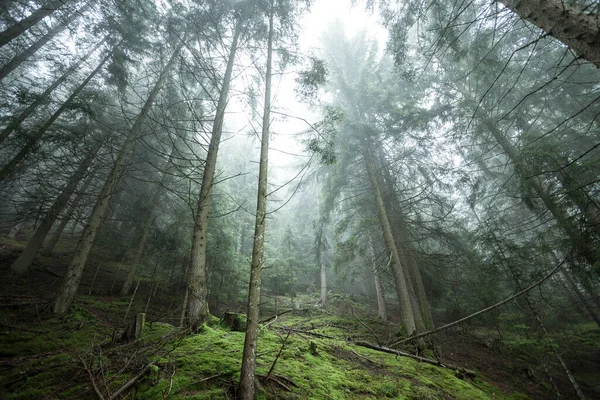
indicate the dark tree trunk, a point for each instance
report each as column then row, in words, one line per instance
column 28, row 52
column 16, row 121
column 23, row 262
column 8, row 169
column 23, row 25
column 70, row 284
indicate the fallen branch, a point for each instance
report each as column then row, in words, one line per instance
column 451, row 324
column 278, row 354
column 47, row 269
column 130, row 383
column 278, row 380
column 197, row 382
column 307, row 333
column 92, row 380
column 465, row 371
column 275, row 316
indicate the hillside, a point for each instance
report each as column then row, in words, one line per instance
column 305, row 353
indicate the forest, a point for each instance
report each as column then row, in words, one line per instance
column 285, row 199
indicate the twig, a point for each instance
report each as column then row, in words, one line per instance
column 166, row 395
column 130, row 383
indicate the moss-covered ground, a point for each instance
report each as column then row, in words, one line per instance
column 65, row 357
column 81, row 355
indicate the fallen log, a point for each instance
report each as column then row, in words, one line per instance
column 292, row 330
column 464, row 371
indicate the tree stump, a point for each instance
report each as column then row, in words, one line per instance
column 235, row 322
column 134, row 330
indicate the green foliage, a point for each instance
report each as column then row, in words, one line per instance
column 309, row 81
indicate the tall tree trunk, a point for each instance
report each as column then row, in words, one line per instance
column 587, row 206
column 49, row 247
column 401, row 282
column 566, row 23
column 580, row 243
column 70, row 283
column 321, row 248
column 379, row 291
column 25, row 259
column 8, row 169
column 28, row 52
column 323, row 299
column 128, row 283
column 197, row 292
column 16, row 121
column 582, row 300
column 246, row 388
column 23, row 25
column 533, row 309
column 403, row 242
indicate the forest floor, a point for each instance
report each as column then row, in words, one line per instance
column 311, row 352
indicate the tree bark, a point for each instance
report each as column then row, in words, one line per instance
column 580, row 243
column 568, row 24
column 582, row 300
column 197, row 291
column 49, row 247
column 23, row 25
column 25, row 259
column 70, row 284
column 246, row 387
column 406, row 308
column 8, row 169
column 16, row 121
column 28, row 52
column 588, row 208
column 128, row 283
column 379, row 291
column 403, row 242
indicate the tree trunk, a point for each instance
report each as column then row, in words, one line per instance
column 323, row 299
column 400, row 280
column 28, row 52
column 25, row 259
column 49, row 247
column 70, row 283
column 568, row 24
column 16, row 121
column 197, row 291
column 381, row 309
column 580, row 243
column 246, row 388
column 8, row 169
column 582, row 300
column 403, row 242
column 587, row 206
column 23, row 25
column 128, row 283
